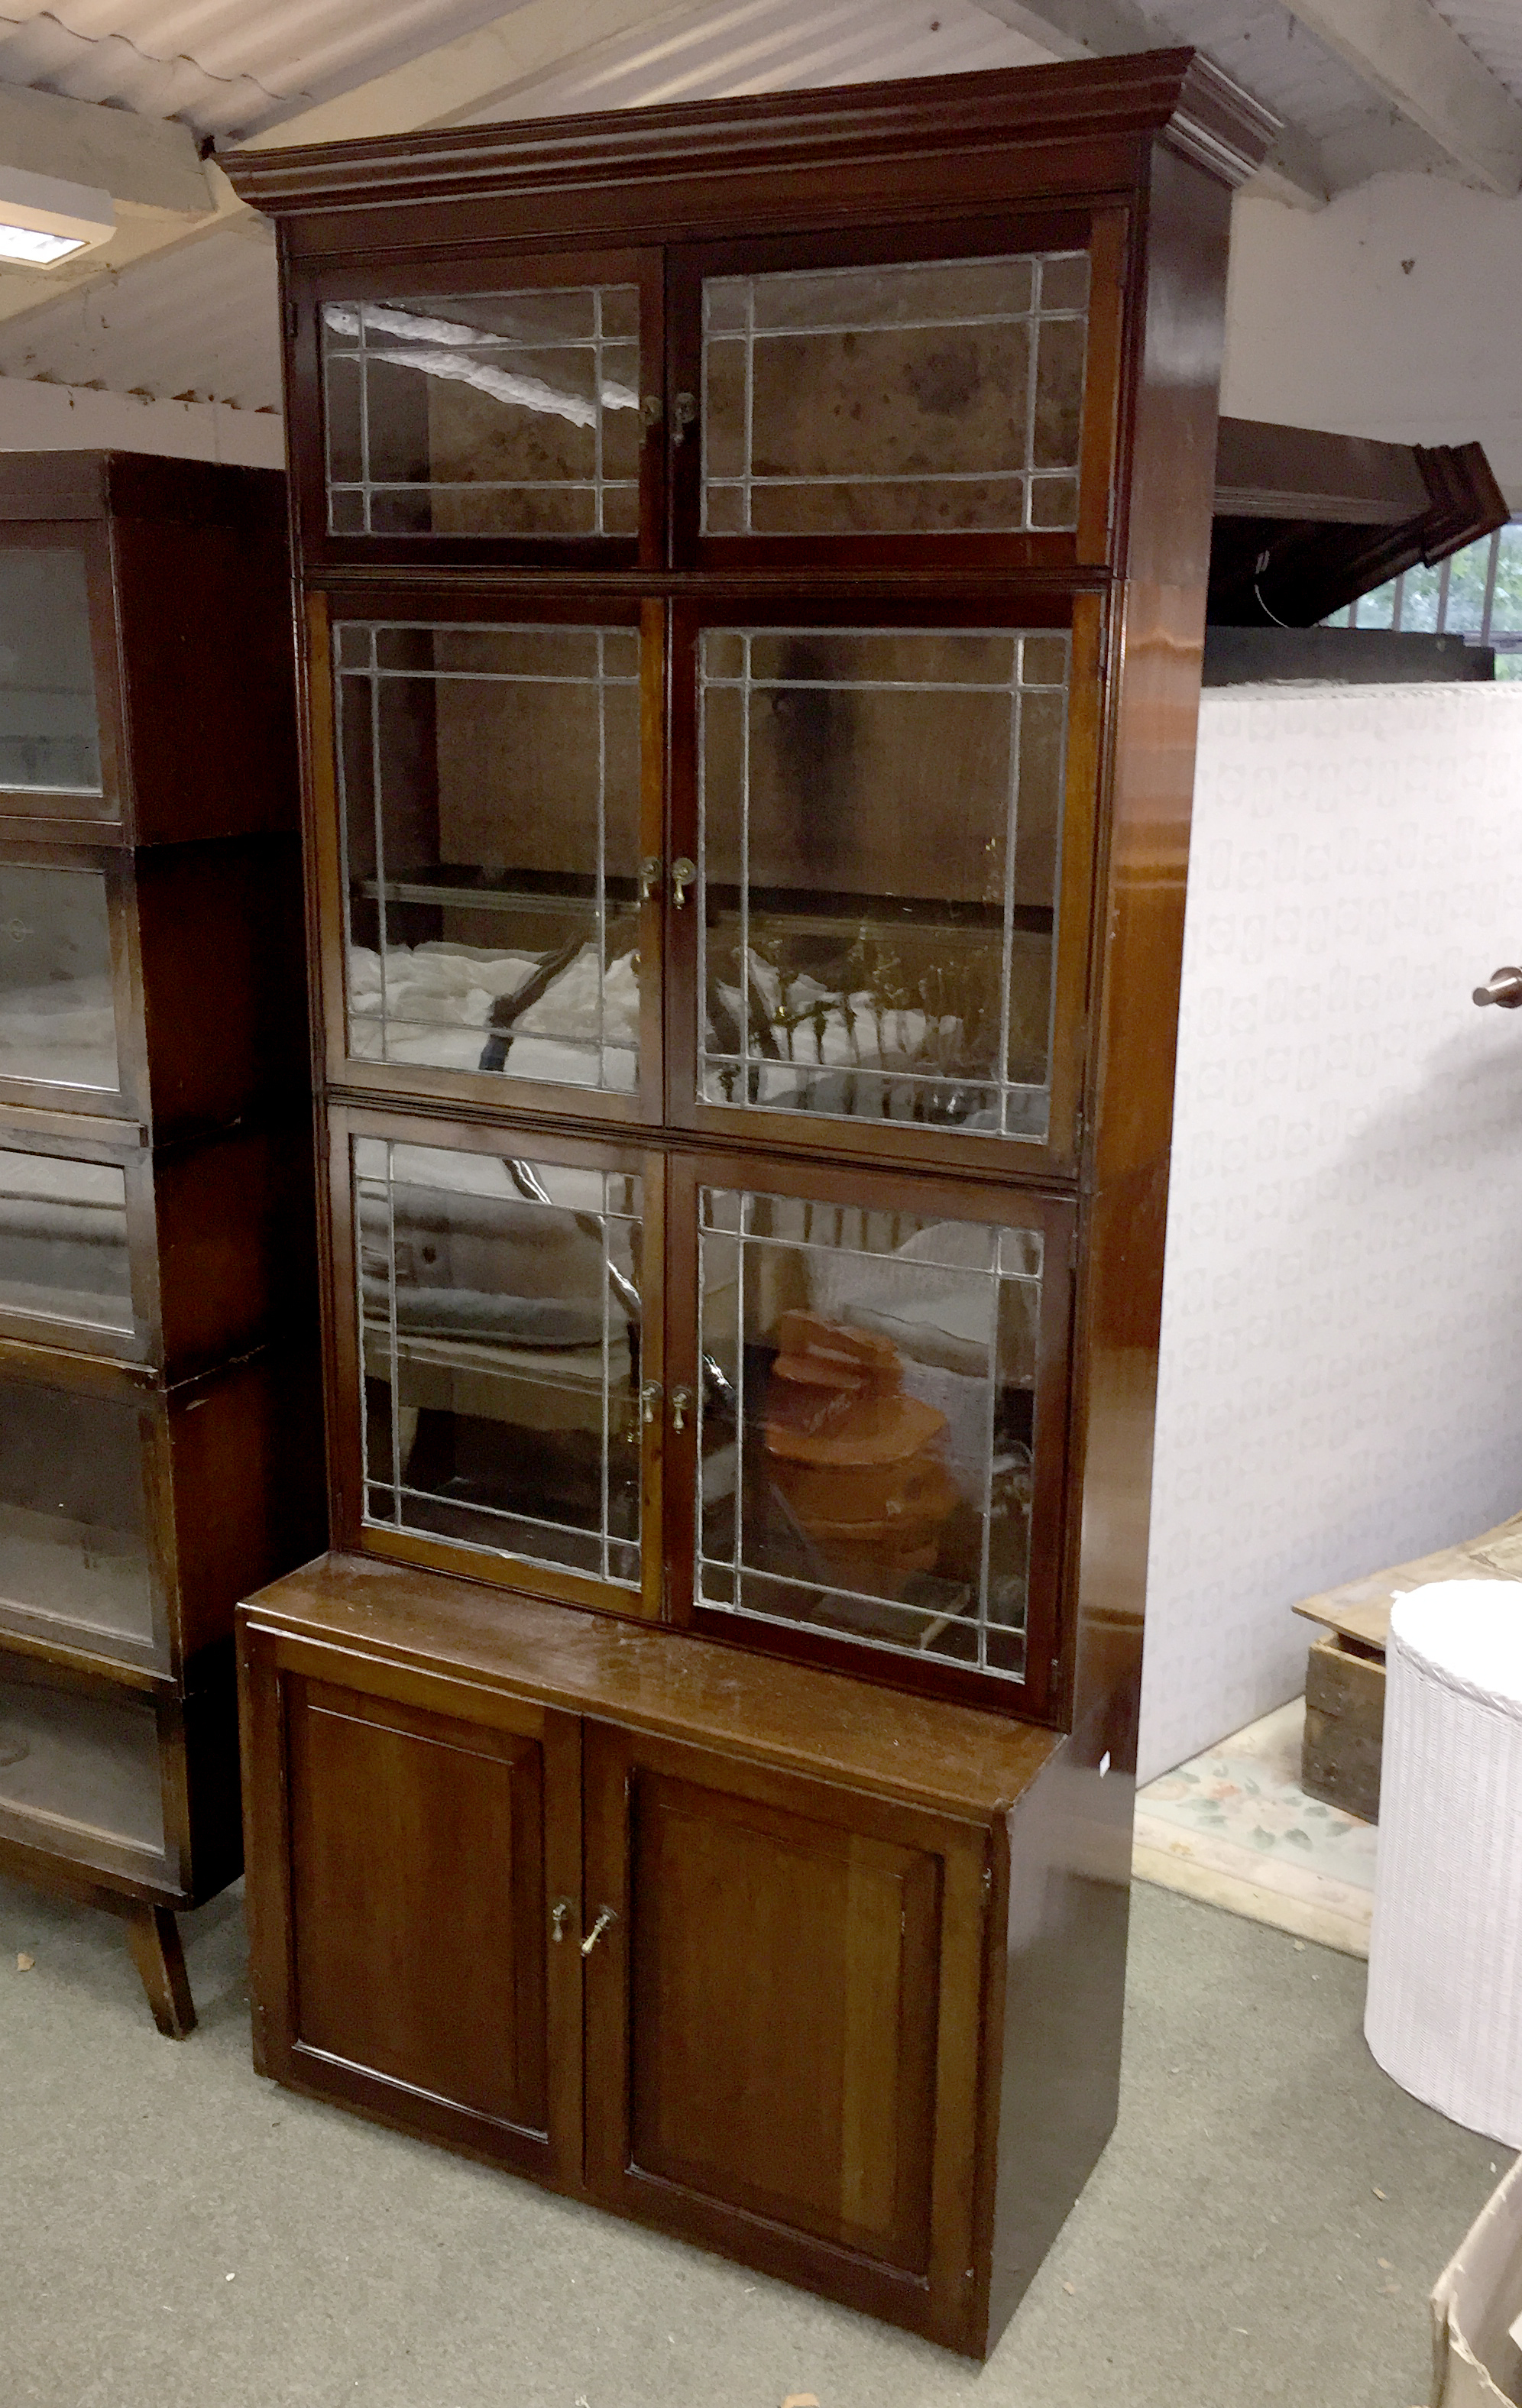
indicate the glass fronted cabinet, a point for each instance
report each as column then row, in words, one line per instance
column 157, row 1360
column 753, row 564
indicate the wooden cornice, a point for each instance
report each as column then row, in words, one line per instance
column 1176, row 94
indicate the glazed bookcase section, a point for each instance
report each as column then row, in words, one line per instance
column 878, row 1464
column 853, row 399
column 496, row 889
column 102, row 950
column 137, row 1787
column 132, row 1512
column 499, row 1324
column 890, row 823
column 486, row 412
column 141, row 619
column 89, row 1213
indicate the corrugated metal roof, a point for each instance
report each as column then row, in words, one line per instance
column 199, row 323
column 1493, row 30
column 752, row 46
column 222, row 67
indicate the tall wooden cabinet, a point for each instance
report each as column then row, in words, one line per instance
column 753, row 561
column 157, row 1437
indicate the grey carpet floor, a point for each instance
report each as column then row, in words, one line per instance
column 174, row 2233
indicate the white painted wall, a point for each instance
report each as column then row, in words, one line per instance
column 1326, row 327
column 1340, row 1385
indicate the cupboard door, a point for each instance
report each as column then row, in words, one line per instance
column 782, row 2021
column 499, row 1350
column 876, row 1458
column 486, row 411
column 489, row 868
column 424, row 1855
column 858, row 403
column 890, row 819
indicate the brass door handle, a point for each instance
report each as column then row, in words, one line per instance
column 682, row 874
column 650, row 1401
column 683, row 414
column 605, row 1914
column 650, row 876
column 681, row 1405
column 560, row 1914
column 1503, row 986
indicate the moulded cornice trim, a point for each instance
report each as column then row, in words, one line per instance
column 1177, row 94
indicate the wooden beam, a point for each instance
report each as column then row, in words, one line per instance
column 1406, row 51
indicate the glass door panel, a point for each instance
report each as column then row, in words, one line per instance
column 880, row 839
column 50, row 729
column 500, row 1313
column 489, row 414
column 920, row 397
column 871, row 1423
column 64, row 1254
column 74, row 1549
column 57, row 1011
column 490, row 789
column 87, row 1763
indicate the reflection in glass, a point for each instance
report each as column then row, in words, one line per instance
column 57, row 1020
column 489, row 784
column 484, row 414
column 50, row 741
column 881, row 821
column 919, row 398
column 63, row 1240
column 73, row 1542
column 500, row 1314
column 90, row 1762
column 868, row 1423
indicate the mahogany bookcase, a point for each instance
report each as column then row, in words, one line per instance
column 753, row 564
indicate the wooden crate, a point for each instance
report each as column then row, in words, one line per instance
column 1344, row 1677
column 1344, row 1725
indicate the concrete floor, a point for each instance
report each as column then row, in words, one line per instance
column 175, row 2234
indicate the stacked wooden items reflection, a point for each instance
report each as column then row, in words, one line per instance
column 158, row 1438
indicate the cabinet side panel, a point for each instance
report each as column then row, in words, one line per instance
column 1140, row 931
column 1068, row 1901
column 208, row 675
column 220, row 940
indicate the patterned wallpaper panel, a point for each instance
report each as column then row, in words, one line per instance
column 1341, row 1384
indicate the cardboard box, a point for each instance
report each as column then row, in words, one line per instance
column 1477, row 2309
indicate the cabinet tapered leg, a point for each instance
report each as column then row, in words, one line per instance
column 154, row 1937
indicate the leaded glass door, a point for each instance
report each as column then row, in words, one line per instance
column 499, row 1331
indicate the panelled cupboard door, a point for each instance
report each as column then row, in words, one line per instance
column 424, row 1855
column 898, row 395
column 782, row 2018
column 471, row 410
column 488, row 847
column 886, row 814
column 498, row 1338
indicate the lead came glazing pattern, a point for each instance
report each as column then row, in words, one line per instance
column 915, row 399
column 868, row 1425
column 490, row 788
column 484, row 414
column 499, row 1317
column 881, row 813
